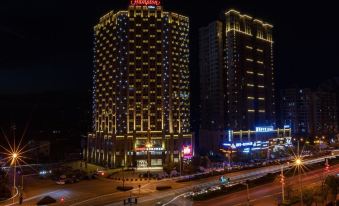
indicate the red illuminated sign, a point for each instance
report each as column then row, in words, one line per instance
column 187, row 151
column 145, row 2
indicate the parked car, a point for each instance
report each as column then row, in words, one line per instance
column 61, row 182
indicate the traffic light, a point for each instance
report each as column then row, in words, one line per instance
column 62, row 199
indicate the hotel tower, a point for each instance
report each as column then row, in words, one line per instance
column 141, row 107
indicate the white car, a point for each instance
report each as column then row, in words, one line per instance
column 61, row 182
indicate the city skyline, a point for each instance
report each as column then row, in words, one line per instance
column 168, row 102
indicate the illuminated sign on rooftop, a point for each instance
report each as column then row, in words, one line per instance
column 264, row 129
column 145, row 2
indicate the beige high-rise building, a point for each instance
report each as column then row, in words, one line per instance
column 141, row 106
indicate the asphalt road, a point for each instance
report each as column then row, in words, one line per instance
column 268, row 194
column 103, row 191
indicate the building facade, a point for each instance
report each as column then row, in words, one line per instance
column 249, row 71
column 325, row 113
column 309, row 113
column 212, row 77
column 141, row 108
column 236, row 76
column 296, row 110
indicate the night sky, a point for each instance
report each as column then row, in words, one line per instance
column 47, row 46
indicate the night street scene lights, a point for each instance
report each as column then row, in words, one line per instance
column 299, row 164
column 298, row 161
column 15, row 155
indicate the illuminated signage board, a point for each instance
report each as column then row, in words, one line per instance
column 187, row 151
column 145, row 2
column 247, row 144
column 150, row 149
column 264, row 129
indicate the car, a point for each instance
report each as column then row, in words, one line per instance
column 61, row 182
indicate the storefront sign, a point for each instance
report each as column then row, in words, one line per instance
column 187, row 151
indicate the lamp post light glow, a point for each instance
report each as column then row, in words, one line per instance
column 14, row 155
column 299, row 163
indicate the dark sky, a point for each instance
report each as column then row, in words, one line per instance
column 46, row 45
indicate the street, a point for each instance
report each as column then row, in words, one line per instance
column 102, row 191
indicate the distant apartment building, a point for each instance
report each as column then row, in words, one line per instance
column 212, row 76
column 236, row 76
column 309, row 113
column 325, row 113
column 296, row 110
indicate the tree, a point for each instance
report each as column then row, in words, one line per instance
column 308, row 197
column 319, row 196
column 170, row 166
column 5, row 192
column 332, row 183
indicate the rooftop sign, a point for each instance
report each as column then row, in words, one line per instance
column 264, row 129
column 145, row 2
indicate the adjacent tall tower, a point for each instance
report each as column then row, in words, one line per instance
column 249, row 71
column 141, row 108
column 236, row 76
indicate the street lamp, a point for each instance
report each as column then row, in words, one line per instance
column 282, row 181
column 14, row 158
column 298, row 164
column 148, row 146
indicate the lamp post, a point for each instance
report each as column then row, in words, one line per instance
column 148, row 146
column 282, row 184
column 298, row 163
column 14, row 157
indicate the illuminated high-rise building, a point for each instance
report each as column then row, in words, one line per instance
column 141, row 108
column 249, row 71
column 236, row 76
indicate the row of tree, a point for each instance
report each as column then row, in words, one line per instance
column 325, row 194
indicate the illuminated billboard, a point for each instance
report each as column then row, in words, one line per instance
column 187, row 152
column 145, row 2
column 264, row 129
